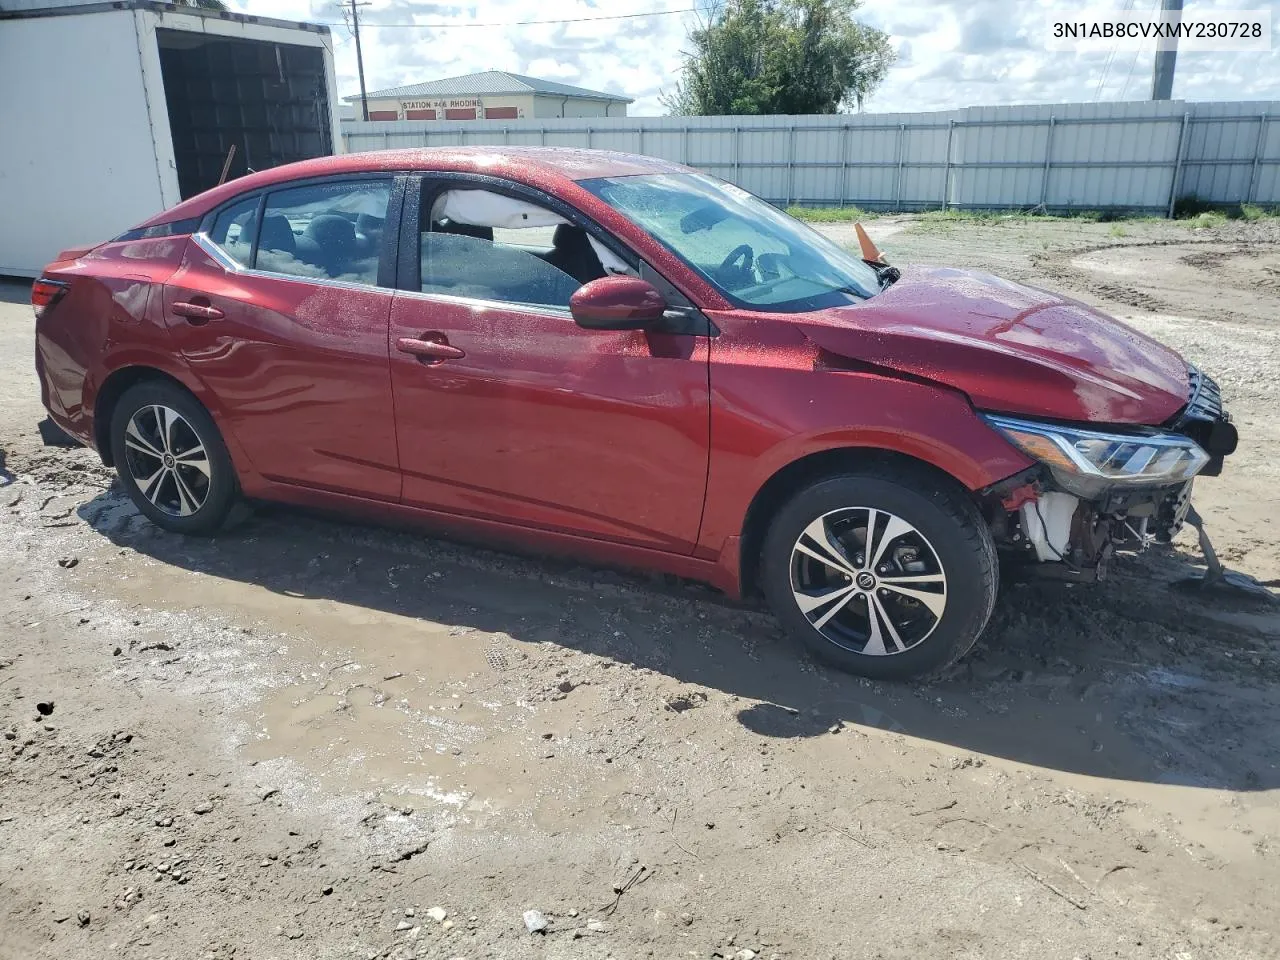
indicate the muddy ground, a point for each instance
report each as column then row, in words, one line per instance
column 308, row 738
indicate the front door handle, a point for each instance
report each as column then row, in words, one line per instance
column 197, row 312
column 431, row 350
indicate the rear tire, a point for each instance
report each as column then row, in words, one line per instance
column 912, row 603
column 171, row 459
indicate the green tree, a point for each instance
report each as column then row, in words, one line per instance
column 780, row 56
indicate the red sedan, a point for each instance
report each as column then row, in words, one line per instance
column 624, row 359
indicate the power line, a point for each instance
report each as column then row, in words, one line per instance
column 519, row 23
column 1102, row 81
column 1134, row 62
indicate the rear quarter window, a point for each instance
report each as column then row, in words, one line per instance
column 233, row 230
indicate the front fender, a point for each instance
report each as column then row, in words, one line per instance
column 757, row 432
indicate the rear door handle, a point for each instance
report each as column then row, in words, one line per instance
column 429, row 351
column 197, row 312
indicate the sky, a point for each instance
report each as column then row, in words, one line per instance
column 951, row 53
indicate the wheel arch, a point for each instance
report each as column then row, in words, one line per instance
column 803, row 471
column 109, row 394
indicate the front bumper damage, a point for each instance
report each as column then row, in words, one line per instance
column 1057, row 535
column 1054, row 533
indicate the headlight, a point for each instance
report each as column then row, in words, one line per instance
column 1086, row 462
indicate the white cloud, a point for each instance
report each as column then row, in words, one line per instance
column 552, row 69
column 993, row 51
column 636, row 58
column 952, row 53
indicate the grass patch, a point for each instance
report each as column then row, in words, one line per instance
column 1252, row 211
column 954, row 215
column 831, row 214
column 1198, row 213
column 1190, row 211
column 1207, row 220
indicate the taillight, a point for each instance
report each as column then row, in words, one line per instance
column 45, row 293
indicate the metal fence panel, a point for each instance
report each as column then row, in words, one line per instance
column 1267, row 180
column 1059, row 157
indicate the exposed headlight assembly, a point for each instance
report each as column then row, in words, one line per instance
column 1087, row 462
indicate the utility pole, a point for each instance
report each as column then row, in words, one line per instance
column 355, row 28
column 1166, row 53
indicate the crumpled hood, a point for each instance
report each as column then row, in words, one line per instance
column 1011, row 348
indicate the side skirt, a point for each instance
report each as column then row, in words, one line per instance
column 717, row 573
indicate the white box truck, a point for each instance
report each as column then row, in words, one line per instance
column 114, row 111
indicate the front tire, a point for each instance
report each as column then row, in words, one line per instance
column 890, row 574
column 171, row 459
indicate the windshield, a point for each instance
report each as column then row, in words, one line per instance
column 750, row 251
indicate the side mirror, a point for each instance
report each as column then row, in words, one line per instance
column 617, row 303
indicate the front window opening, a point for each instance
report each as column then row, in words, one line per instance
column 750, row 251
column 485, row 245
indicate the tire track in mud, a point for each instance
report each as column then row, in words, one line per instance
column 1059, row 266
column 1213, row 259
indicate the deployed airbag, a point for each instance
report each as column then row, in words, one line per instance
column 483, row 208
column 611, row 262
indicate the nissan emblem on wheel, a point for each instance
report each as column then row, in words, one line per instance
column 628, row 360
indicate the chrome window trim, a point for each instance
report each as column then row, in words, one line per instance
column 542, row 309
column 231, row 265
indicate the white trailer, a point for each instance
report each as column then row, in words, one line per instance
column 114, row 111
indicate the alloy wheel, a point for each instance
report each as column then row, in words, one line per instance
column 167, row 460
column 868, row 581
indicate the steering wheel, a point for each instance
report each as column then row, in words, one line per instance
column 738, row 261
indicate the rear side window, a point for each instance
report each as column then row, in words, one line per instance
column 233, row 230
column 326, row 231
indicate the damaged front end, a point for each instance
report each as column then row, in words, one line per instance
column 1094, row 490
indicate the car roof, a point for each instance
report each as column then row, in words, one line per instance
column 548, row 168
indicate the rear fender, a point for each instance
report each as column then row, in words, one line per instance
column 109, row 291
column 131, row 364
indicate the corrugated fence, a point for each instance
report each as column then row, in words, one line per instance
column 1138, row 156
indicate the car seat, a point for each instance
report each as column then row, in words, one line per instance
column 369, row 232
column 335, row 242
column 571, row 253
column 464, row 230
column 277, row 234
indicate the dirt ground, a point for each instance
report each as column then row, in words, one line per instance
column 308, row 738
